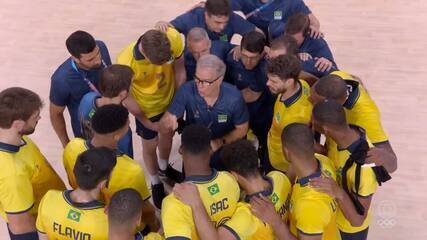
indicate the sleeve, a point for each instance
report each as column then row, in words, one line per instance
column 371, row 122
column 183, row 23
column 240, row 110
column 140, row 185
column 368, row 183
column 105, row 54
column 308, row 66
column 39, row 222
column 241, row 25
column 59, row 91
column 236, row 5
column 321, row 49
column 298, row 6
column 312, row 217
column 242, row 224
column 16, row 194
column 177, row 219
column 177, row 44
column 179, row 101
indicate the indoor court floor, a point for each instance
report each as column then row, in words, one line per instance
column 384, row 42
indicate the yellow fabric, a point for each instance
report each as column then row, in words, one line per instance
column 281, row 194
column 25, row 177
column 247, row 226
column 153, row 236
column 298, row 112
column 177, row 217
column 62, row 220
column 312, row 212
column 153, row 86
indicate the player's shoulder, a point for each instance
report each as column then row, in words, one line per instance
column 75, row 146
column 326, row 165
column 278, row 176
column 125, row 57
column 63, row 72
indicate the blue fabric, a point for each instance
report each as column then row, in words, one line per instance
column 228, row 111
column 68, row 87
column 145, row 132
column 255, row 79
column 316, row 48
column 278, row 10
column 196, row 18
column 308, row 66
column 86, row 110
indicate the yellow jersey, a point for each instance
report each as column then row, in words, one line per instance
column 219, row 193
column 153, row 86
column 25, row 177
column 61, row 218
column 295, row 109
column 280, row 193
column 312, row 212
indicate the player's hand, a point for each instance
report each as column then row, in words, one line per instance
column 162, row 26
column 264, row 209
column 168, row 123
column 326, row 185
column 322, row 64
column 236, row 53
column 315, row 32
column 216, row 144
column 375, row 155
column 304, row 56
column 187, row 193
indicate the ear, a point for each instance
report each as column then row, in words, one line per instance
column 235, row 175
column 123, row 94
column 102, row 184
column 18, row 125
column 180, row 151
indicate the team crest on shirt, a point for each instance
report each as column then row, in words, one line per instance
column 239, row 77
column 213, row 189
column 222, row 118
column 74, row 215
column 277, row 117
column 277, row 15
column 224, row 38
column 327, row 173
column 274, row 198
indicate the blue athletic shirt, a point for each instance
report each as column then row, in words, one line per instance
column 255, row 79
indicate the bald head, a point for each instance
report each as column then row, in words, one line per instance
column 331, row 87
column 212, row 63
column 329, row 113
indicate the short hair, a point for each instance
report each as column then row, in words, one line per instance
column 109, row 118
column 196, row 139
column 253, row 42
column 17, row 103
column 114, row 79
column 285, row 67
column 124, row 207
column 285, row 42
column 329, row 112
column 218, row 7
column 297, row 23
column 298, row 138
column 80, row 42
column 241, row 157
column 156, row 46
column 331, row 87
column 93, row 166
column 212, row 62
column 197, row 34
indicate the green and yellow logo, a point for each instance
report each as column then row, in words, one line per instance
column 274, row 198
column 74, row 215
column 224, row 38
column 222, row 118
column 214, row 189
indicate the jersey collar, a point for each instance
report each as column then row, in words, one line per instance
column 89, row 145
column 305, row 180
column 265, row 193
column 5, row 147
column 292, row 99
column 353, row 94
column 202, row 178
column 84, row 206
column 352, row 147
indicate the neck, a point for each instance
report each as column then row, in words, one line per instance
column 197, row 166
column 255, row 184
column 290, row 91
column 119, row 233
column 305, row 167
column 10, row 137
column 211, row 98
column 345, row 137
column 81, row 66
column 83, row 196
column 105, row 101
column 103, row 141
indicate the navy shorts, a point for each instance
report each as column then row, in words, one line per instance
column 362, row 235
column 145, row 132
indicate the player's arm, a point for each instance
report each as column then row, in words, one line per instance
column 133, row 107
column 383, row 155
column 237, row 133
column 308, row 77
column 176, row 109
column 21, row 223
column 149, row 216
column 57, row 119
column 314, row 26
column 179, row 69
column 43, row 236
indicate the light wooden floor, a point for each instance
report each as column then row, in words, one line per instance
column 384, row 42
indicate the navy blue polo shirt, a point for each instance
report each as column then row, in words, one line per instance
column 196, row 18
column 68, row 87
column 228, row 111
column 255, row 79
column 316, row 48
column 278, row 10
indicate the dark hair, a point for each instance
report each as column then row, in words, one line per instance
column 298, row 138
column 329, row 112
column 253, row 42
column 156, row 46
column 241, row 157
column 196, row 139
column 17, row 103
column 125, row 206
column 297, row 23
column 114, row 79
column 332, row 87
column 93, row 166
column 80, row 42
column 109, row 118
column 218, row 7
column 284, row 66
column 286, row 42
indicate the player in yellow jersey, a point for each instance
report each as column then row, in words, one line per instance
column 109, row 124
column 79, row 213
column 312, row 214
column 25, row 174
column 356, row 182
column 219, row 191
column 157, row 61
column 291, row 106
column 360, row 110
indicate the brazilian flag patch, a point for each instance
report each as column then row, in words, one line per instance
column 224, row 38
column 274, row 198
column 214, row 189
column 74, row 215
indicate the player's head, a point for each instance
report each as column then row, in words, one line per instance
column 331, row 87
column 93, row 168
column 196, row 143
column 282, row 45
column 115, row 80
column 19, row 110
column 210, row 71
column 298, row 26
column 283, row 72
column 241, row 159
column 84, row 50
column 110, row 121
column 328, row 117
column 217, row 14
column 155, row 46
column 298, row 142
column 124, row 211
column 198, row 42
column 252, row 49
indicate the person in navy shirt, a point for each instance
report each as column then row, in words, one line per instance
column 74, row 78
column 217, row 18
column 210, row 102
column 250, row 77
column 199, row 44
